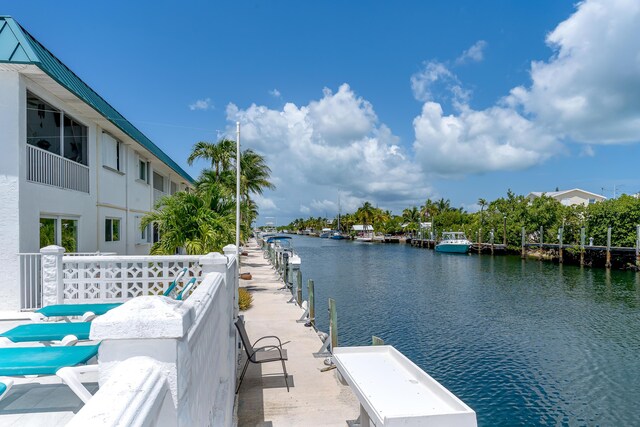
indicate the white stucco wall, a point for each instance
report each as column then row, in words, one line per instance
column 23, row 203
column 192, row 341
column 11, row 108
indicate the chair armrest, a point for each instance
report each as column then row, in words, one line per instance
column 268, row 336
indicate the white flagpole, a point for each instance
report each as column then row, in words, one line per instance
column 237, row 205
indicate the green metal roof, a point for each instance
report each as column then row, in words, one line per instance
column 19, row 47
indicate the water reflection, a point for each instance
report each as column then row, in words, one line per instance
column 523, row 342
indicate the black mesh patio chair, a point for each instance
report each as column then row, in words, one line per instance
column 263, row 354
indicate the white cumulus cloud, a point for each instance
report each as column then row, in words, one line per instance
column 588, row 91
column 474, row 54
column 590, row 88
column 275, row 93
column 473, row 141
column 265, row 204
column 332, row 144
column 201, row 104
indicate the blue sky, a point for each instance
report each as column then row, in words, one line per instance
column 390, row 102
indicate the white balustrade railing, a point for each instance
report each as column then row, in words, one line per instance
column 31, row 277
column 51, row 169
column 98, row 253
column 119, row 278
column 30, row 281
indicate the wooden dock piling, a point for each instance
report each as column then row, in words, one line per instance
column 312, row 303
column 523, row 254
column 333, row 323
column 608, row 262
column 560, row 233
column 582, row 239
column 299, row 288
column 638, row 246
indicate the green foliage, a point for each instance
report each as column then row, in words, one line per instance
column 203, row 221
column 507, row 215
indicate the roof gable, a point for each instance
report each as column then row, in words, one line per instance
column 18, row 46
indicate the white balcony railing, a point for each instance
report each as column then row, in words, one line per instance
column 51, row 169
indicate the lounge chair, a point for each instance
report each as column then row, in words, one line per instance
column 86, row 311
column 68, row 363
column 184, row 293
column 48, row 333
column 5, row 386
column 264, row 354
column 170, row 292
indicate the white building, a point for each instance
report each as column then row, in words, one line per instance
column 73, row 171
column 570, row 197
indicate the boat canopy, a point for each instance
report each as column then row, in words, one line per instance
column 274, row 238
column 453, row 235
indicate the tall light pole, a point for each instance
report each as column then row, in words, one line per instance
column 237, row 205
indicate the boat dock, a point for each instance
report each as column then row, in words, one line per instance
column 316, row 397
column 475, row 247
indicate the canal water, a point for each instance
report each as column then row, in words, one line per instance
column 521, row 342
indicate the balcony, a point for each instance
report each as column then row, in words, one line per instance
column 47, row 168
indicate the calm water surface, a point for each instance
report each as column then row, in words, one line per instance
column 522, row 343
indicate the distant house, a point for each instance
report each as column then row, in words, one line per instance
column 570, row 197
column 361, row 228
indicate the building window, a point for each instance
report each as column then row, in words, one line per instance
column 174, row 187
column 112, row 229
column 592, row 201
column 143, row 234
column 111, row 156
column 59, row 231
column 158, row 182
column 55, row 131
column 143, row 170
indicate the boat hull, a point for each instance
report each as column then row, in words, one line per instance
column 334, row 237
column 456, row 248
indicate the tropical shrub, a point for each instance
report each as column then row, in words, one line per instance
column 245, row 299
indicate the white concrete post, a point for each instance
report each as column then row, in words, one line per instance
column 213, row 262
column 52, row 276
column 229, row 251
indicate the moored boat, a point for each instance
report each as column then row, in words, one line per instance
column 326, row 233
column 337, row 236
column 453, row 242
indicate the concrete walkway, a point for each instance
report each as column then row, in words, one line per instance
column 316, row 398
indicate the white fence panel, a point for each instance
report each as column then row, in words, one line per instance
column 30, row 281
column 119, row 278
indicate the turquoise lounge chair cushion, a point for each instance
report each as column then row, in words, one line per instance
column 48, row 331
column 43, row 360
column 3, row 388
column 63, row 310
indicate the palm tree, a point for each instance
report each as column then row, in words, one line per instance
column 365, row 213
column 483, row 204
column 411, row 216
column 428, row 209
column 220, row 154
column 199, row 223
column 443, row 205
